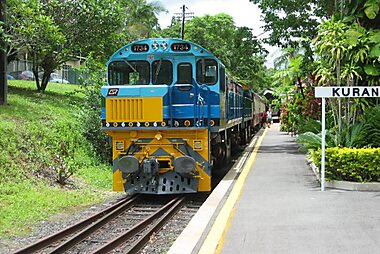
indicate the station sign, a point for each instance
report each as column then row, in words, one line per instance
column 339, row 92
column 347, row 91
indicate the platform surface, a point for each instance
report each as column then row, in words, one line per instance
column 281, row 208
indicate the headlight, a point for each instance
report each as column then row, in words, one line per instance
column 184, row 164
column 128, row 164
column 164, row 45
column 155, row 45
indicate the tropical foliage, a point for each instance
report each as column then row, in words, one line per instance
column 364, row 133
column 342, row 50
column 347, row 54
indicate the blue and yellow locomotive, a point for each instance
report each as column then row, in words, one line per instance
column 173, row 114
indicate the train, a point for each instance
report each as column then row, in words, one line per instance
column 174, row 116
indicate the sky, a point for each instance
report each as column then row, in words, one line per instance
column 243, row 12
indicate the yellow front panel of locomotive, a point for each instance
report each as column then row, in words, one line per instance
column 164, row 139
column 134, row 109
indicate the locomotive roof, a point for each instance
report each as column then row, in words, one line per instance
column 145, row 47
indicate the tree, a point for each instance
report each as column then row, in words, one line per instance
column 55, row 31
column 3, row 59
column 142, row 17
column 287, row 21
column 36, row 33
column 247, row 55
column 214, row 32
column 236, row 47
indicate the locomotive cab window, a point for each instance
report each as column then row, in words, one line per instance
column 184, row 73
column 222, row 79
column 162, row 72
column 128, row 73
column 207, row 71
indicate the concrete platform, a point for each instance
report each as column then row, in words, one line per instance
column 276, row 206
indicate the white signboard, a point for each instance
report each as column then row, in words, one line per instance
column 347, row 91
column 338, row 92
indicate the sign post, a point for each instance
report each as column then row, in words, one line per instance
column 339, row 92
column 323, row 144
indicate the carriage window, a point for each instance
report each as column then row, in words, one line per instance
column 184, row 73
column 207, row 71
column 128, row 73
column 247, row 94
column 162, row 72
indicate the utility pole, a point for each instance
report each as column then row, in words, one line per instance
column 3, row 58
column 183, row 22
column 184, row 16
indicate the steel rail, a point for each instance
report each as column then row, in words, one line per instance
column 69, row 230
column 156, row 227
column 163, row 214
column 93, row 227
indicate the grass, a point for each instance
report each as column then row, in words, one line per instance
column 32, row 203
column 40, row 136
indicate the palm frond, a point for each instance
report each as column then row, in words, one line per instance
column 309, row 140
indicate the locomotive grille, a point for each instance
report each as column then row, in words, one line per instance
column 134, row 109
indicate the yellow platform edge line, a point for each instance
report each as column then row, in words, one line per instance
column 215, row 239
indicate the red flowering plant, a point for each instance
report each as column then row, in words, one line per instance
column 300, row 107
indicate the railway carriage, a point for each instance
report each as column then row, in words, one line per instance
column 174, row 115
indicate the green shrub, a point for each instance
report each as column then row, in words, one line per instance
column 350, row 164
column 89, row 111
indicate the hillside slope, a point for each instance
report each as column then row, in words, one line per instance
column 40, row 139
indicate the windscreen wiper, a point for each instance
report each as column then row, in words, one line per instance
column 130, row 66
column 203, row 69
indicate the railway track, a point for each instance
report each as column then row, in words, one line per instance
column 126, row 226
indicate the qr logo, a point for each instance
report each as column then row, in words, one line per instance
column 113, row 92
